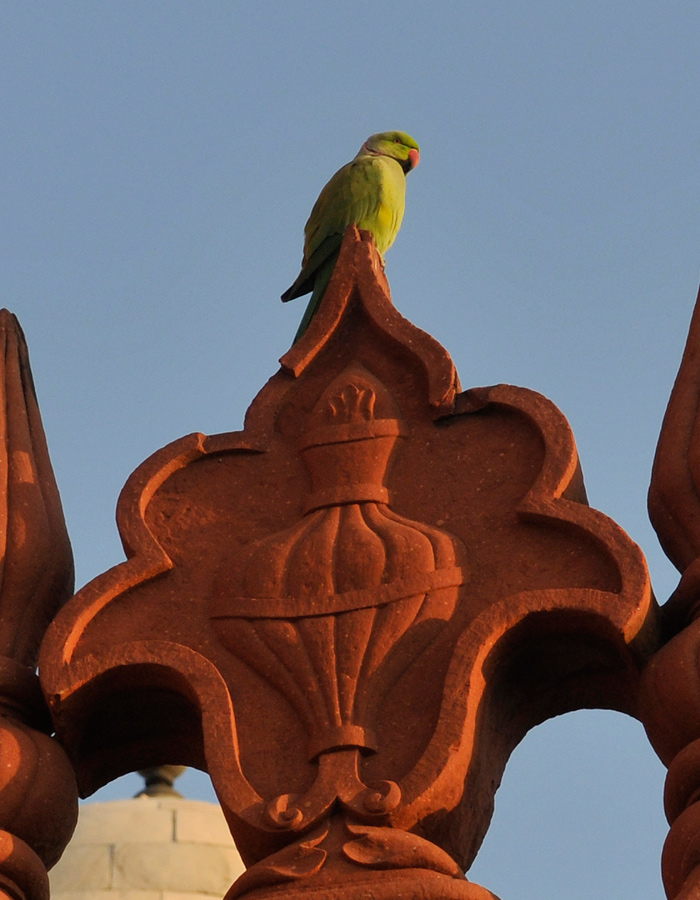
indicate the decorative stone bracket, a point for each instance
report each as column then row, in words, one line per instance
column 350, row 612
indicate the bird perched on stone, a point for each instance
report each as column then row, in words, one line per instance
column 370, row 192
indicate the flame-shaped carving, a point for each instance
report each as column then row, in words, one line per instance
column 36, row 564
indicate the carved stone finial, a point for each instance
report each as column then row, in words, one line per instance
column 36, row 577
column 372, row 593
column 160, row 781
column 670, row 697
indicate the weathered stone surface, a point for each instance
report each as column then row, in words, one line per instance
column 139, row 819
column 89, row 869
column 201, row 823
column 171, row 895
column 350, row 612
column 144, row 848
column 199, row 869
column 670, row 698
column 38, row 796
column 113, row 894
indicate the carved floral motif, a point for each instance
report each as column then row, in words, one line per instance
column 320, row 608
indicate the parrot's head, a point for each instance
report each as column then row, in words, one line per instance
column 396, row 144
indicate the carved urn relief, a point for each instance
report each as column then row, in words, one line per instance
column 351, row 611
column 335, row 607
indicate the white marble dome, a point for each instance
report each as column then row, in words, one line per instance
column 161, row 847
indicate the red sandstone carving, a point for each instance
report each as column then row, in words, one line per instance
column 670, row 701
column 352, row 611
column 36, row 576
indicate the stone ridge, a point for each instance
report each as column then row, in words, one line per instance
column 163, row 848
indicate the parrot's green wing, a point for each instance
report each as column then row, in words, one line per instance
column 352, row 195
column 328, row 249
column 368, row 192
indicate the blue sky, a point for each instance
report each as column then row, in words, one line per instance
column 159, row 160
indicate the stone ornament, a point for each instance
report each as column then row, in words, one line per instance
column 670, row 699
column 351, row 611
column 38, row 794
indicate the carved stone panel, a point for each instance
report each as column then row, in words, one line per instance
column 351, row 611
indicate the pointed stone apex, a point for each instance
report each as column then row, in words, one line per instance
column 359, row 285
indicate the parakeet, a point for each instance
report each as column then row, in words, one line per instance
column 370, row 192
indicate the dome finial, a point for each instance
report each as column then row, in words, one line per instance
column 159, row 781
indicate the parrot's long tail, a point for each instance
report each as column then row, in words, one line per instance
column 323, row 276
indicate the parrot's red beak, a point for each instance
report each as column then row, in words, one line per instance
column 413, row 159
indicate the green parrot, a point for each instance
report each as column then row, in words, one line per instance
column 370, row 192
